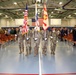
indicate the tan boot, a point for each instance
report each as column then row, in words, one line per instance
column 26, row 52
column 20, row 52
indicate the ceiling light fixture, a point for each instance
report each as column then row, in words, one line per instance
column 38, row 0
column 19, row 9
column 15, row 3
column 23, row 12
column 64, row 17
column 69, row 15
column 6, row 16
column 60, row 3
column 38, row 12
column 52, row 12
column 75, row 13
column 0, row 13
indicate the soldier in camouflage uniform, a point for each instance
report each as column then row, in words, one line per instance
column 28, row 43
column 53, row 39
column 44, row 41
column 36, row 41
column 21, row 40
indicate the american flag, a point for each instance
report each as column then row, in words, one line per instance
column 36, row 15
column 25, row 27
column 34, row 22
column 45, row 18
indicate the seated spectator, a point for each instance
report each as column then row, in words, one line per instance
column 6, row 32
column 61, row 33
column 12, row 31
column 74, row 34
column 9, row 31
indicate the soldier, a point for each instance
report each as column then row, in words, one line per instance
column 44, row 41
column 21, row 40
column 53, row 39
column 28, row 43
column 36, row 41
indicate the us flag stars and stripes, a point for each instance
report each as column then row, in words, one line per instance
column 25, row 23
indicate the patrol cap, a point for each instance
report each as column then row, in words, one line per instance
column 20, row 26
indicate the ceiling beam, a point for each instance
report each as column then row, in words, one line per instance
column 6, row 13
column 66, row 4
column 10, row 14
column 14, row 8
column 49, row 2
column 9, row 2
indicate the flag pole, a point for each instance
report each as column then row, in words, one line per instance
column 35, row 12
column 36, row 19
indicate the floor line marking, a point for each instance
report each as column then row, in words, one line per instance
column 40, row 60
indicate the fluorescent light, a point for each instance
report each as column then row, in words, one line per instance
column 15, row 3
column 60, row 3
column 38, row 12
column 52, row 12
column 56, row 9
column 6, row 16
column 23, row 12
column 0, row 13
column 69, row 15
column 64, row 17
column 38, row 0
column 75, row 13
column 19, row 9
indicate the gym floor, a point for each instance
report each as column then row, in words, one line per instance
column 62, row 63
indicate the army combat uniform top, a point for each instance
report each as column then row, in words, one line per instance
column 21, row 42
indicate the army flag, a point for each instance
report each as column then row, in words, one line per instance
column 45, row 18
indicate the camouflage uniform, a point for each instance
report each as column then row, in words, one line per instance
column 21, row 42
column 53, row 39
column 28, row 43
column 36, row 42
column 45, row 36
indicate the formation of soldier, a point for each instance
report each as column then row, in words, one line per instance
column 31, row 41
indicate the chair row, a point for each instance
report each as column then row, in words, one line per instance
column 6, row 38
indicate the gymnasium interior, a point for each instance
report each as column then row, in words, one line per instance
column 60, row 15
